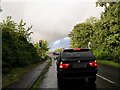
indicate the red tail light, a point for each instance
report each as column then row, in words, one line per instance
column 76, row 48
column 63, row 66
column 93, row 64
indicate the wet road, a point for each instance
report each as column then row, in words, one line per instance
column 50, row 81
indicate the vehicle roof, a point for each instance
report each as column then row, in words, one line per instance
column 80, row 49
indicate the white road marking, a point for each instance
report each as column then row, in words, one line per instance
column 106, row 79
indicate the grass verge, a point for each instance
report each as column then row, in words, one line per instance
column 110, row 63
column 41, row 77
column 16, row 73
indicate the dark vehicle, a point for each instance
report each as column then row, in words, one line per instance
column 55, row 53
column 55, row 58
column 76, row 63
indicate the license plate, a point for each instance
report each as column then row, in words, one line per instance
column 78, row 65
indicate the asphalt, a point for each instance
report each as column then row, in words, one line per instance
column 50, row 81
column 27, row 80
column 110, row 73
column 105, row 76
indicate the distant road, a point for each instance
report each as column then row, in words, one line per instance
column 107, row 77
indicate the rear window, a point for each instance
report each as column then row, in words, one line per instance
column 78, row 54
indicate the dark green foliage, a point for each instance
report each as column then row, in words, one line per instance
column 17, row 51
column 104, row 33
column 80, row 35
column 44, row 48
column 58, row 50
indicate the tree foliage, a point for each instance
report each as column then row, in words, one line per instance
column 103, row 33
column 43, row 49
column 58, row 50
column 17, row 51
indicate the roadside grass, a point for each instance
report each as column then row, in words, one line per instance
column 110, row 63
column 41, row 77
column 16, row 73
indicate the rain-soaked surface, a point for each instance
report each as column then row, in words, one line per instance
column 50, row 81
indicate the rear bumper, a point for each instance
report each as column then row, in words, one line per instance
column 77, row 78
column 70, row 75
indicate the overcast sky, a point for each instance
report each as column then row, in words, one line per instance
column 52, row 20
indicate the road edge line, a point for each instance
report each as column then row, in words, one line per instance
column 105, row 79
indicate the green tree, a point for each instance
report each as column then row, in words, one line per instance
column 103, row 33
column 82, row 33
column 17, row 51
column 58, row 50
column 110, row 30
column 43, row 49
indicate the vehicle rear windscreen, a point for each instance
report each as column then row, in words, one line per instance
column 82, row 55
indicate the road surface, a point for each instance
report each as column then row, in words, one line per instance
column 107, row 81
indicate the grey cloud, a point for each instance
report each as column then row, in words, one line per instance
column 51, row 20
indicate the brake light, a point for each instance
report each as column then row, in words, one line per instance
column 63, row 65
column 93, row 64
column 76, row 48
